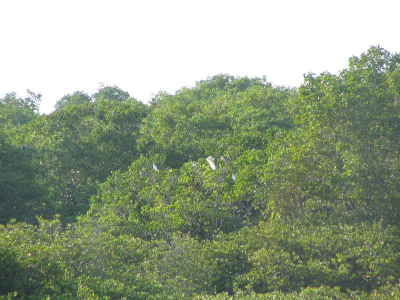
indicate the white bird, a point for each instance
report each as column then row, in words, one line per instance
column 211, row 162
column 155, row 167
column 233, row 177
column 193, row 164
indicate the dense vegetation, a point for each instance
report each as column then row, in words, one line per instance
column 109, row 198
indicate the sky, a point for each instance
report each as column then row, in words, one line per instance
column 58, row 47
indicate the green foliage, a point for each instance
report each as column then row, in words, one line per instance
column 78, row 146
column 74, row 99
column 20, row 193
column 104, row 265
column 220, row 116
column 180, row 268
column 344, row 154
column 112, row 93
column 363, row 257
column 17, row 110
column 303, row 202
column 29, row 261
column 194, row 200
column 79, row 263
column 310, row 293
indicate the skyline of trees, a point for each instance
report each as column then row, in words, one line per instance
column 312, row 209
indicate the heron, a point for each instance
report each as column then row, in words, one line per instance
column 211, row 162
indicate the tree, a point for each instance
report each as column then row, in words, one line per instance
column 222, row 116
column 343, row 154
column 302, row 201
column 74, row 99
column 288, row 257
column 21, row 196
column 112, row 93
column 19, row 111
column 78, row 147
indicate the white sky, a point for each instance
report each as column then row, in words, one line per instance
column 59, row 47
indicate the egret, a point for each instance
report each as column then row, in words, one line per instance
column 193, row 164
column 155, row 167
column 211, row 162
column 233, row 177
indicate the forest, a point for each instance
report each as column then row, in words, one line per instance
column 232, row 189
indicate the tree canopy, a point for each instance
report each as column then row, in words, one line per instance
column 109, row 198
